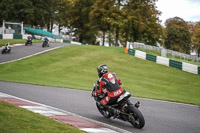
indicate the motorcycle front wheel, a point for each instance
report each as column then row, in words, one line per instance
column 138, row 120
column 103, row 111
column 3, row 51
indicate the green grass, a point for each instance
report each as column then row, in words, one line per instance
column 16, row 41
column 75, row 67
column 19, row 120
column 156, row 53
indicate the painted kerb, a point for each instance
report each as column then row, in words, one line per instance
column 151, row 57
column 175, row 64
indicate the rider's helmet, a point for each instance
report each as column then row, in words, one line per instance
column 102, row 69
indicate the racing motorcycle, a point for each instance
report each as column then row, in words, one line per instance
column 28, row 42
column 6, row 49
column 123, row 109
column 45, row 43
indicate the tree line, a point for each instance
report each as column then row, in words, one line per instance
column 117, row 20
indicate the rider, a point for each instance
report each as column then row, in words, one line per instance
column 7, row 46
column 29, row 39
column 110, row 82
column 46, row 39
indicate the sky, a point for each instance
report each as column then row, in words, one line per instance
column 189, row 10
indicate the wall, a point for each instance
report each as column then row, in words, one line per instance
column 166, row 61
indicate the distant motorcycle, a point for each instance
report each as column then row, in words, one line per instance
column 123, row 109
column 6, row 49
column 45, row 43
column 28, row 42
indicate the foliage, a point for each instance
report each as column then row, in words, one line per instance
column 124, row 20
column 145, row 21
column 178, row 35
column 101, row 16
column 196, row 37
column 79, row 20
column 16, row 11
column 134, row 20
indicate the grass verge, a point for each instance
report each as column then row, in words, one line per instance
column 18, row 120
column 75, row 67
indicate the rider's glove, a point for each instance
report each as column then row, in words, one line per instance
column 95, row 94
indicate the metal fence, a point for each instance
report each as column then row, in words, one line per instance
column 164, row 51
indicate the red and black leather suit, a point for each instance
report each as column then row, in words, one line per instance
column 111, row 83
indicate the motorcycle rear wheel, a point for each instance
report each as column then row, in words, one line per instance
column 104, row 112
column 138, row 121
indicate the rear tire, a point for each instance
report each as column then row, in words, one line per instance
column 139, row 121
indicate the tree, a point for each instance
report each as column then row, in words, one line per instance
column 196, row 37
column 32, row 12
column 178, row 35
column 141, row 22
column 129, row 20
column 79, row 19
column 99, row 16
column 44, row 13
column 63, row 10
column 16, row 11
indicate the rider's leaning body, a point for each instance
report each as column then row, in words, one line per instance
column 7, row 46
column 110, row 83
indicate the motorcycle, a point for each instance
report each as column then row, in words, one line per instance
column 123, row 109
column 28, row 42
column 45, row 43
column 6, row 49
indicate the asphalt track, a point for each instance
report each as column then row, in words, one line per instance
column 160, row 117
column 21, row 51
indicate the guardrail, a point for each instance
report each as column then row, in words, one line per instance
column 171, row 52
column 165, row 61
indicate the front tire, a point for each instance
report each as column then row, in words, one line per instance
column 138, row 121
column 104, row 112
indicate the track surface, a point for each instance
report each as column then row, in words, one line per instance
column 23, row 51
column 160, row 117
